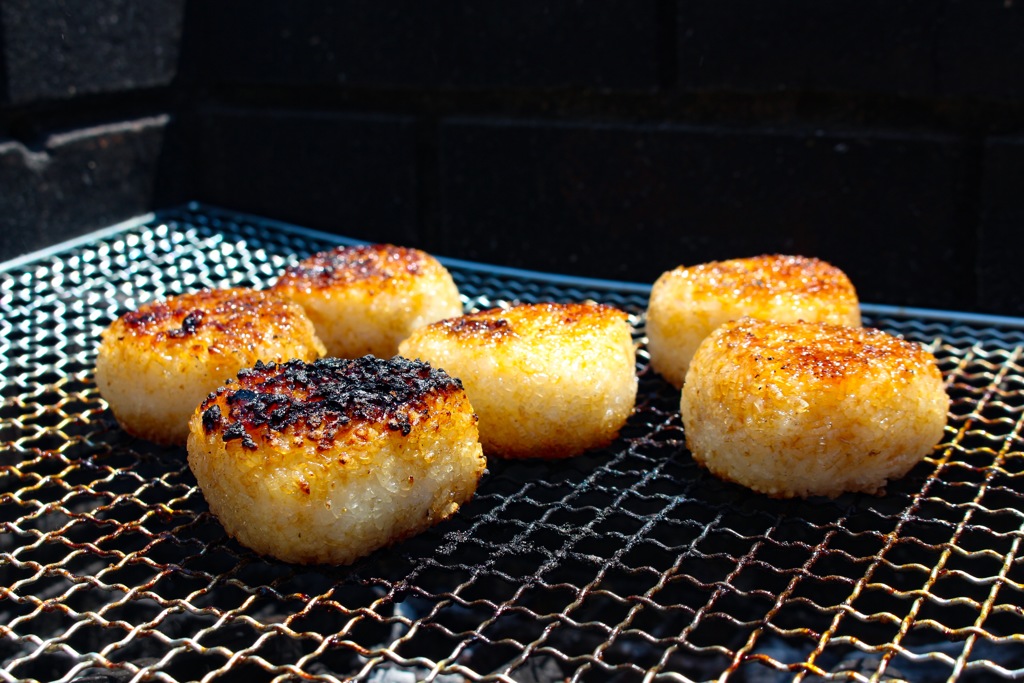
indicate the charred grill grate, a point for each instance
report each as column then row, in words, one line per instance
column 626, row 564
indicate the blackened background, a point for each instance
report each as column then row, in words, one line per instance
column 610, row 139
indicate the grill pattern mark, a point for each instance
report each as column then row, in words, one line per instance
column 626, row 564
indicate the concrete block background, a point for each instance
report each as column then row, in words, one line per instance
column 78, row 179
column 60, row 49
column 610, row 139
column 610, row 44
column 629, row 202
column 354, row 174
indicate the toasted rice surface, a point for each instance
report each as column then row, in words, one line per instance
column 804, row 409
column 366, row 299
column 157, row 363
column 547, row 380
column 326, row 462
column 687, row 303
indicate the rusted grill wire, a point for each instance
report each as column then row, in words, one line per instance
column 625, row 564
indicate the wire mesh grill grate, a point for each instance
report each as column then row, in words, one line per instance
column 625, row 564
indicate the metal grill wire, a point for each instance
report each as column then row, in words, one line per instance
column 625, row 564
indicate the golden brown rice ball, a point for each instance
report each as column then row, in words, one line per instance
column 157, row 363
column 811, row 409
column 366, row 299
column 686, row 304
column 547, row 380
column 328, row 461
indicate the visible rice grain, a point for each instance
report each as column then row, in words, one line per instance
column 806, row 409
column 547, row 380
column 326, row 462
column 687, row 303
column 157, row 363
column 366, row 299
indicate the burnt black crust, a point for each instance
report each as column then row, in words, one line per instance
column 325, row 395
column 189, row 324
column 212, row 417
column 469, row 326
column 355, row 263
column 225, row 311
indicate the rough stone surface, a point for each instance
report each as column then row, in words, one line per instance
column 613, row 139
column 628, row 202
column 348, row 174
column 78, row 181
column 1001, row 230
column 59, row 49
column 914, row 48
column 745, row 44
column 610, row 44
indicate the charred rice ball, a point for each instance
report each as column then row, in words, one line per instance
column 811, row 409
column 366, row 299
column 686, row 304
column 157, row 363
column 547, row 380
column 328, row 461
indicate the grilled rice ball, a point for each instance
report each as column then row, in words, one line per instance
column 328, row 461
column 157, row 363
column 811, row 409
column 547, row 380
column 686, row 304
column 366, row 299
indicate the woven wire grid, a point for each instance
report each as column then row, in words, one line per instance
column 625, row 564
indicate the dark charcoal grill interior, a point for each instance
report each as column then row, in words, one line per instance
column 626, row 564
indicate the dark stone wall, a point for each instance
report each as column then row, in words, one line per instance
column 608, row 139
column 89, row 131
column 63, row 49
